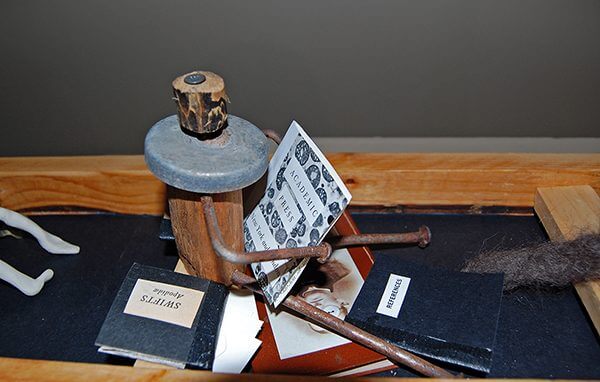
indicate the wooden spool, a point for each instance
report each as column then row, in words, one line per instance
column 193, row 157
column 202, row 109
column 201, row 102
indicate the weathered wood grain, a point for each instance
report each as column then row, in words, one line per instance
column 111, row 183
column 461, row 179
column 566, row 213
column 123, row 184
column 191, row 234
column 201, row 108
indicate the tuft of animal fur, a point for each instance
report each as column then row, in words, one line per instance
column 550, row 265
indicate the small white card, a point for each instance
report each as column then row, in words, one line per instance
column 164, row 302
column 237, row 341
column 393, row 296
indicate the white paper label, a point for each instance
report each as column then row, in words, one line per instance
column 164, row 302
column 393, row 296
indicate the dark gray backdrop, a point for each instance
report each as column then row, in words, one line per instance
column 90, row 77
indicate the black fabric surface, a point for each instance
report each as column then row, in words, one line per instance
column 64, row 319
column 194, row 346
column 446, row 315
column 540, row 335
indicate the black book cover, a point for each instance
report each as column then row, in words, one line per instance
column 164, row 316
column 441, row 314
column 165, row 232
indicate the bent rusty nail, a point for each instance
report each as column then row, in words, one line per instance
column 272, row 135
column 322, row 251
column 350, row 331
column 422, row 237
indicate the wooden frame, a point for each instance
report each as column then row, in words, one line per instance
column 123, row 184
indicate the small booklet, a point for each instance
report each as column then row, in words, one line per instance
column 446, row 315
column 164, row 317
column 303, row 200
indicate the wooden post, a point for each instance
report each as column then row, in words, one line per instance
column 566, row 213
column 193, row 243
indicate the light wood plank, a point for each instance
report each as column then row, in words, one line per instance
column 123, row 183
column 150, row 365
column 111, row 183
column 566, row 213
column 35, row 370
column 461, row 179
column 54, row 371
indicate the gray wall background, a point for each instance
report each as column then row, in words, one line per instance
column 91, row 77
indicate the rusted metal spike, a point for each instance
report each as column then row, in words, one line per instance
column 321, row 251
column 349, row 331
column 422, row 237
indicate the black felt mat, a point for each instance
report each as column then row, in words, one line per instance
column 540, row 334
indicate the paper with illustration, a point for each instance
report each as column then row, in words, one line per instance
column 303, row 200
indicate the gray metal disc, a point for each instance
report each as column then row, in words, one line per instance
column 235, row 159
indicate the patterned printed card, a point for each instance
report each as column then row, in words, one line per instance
column 304, row 199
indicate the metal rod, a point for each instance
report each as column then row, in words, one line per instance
column 272, row 135
column 350, row 331
column 422, row 237
column 321, row 251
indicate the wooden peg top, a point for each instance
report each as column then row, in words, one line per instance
column 201, row 102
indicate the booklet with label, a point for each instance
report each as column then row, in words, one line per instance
column 445, row 315
column 165, row 317
column 303, row 200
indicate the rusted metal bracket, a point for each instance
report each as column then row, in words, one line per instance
column 349, row 331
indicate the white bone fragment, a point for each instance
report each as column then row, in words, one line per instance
column 21, row 281
column 48, row 241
